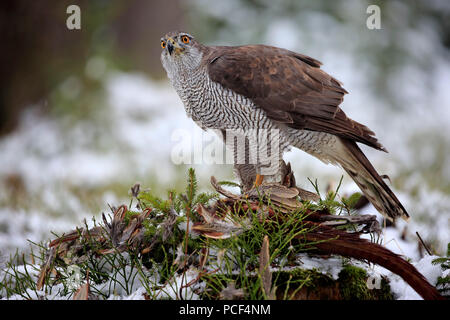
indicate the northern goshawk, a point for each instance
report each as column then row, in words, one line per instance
column 282, row 93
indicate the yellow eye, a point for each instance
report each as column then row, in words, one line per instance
column 163, row 44
column 185, row 39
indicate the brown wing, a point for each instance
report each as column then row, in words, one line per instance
column 290, row 87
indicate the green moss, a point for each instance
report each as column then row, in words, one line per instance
column 310, row 278
column 149, row 230
column 353, row 285
column 384, row 293
column 305, row 284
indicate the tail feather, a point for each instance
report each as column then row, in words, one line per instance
column 356, row 164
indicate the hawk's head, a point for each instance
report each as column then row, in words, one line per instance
column 180, row 52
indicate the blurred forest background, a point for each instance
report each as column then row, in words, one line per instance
column 85, row 114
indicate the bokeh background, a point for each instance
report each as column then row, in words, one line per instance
column 85, row 114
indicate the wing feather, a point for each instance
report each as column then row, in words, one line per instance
column 290, row 87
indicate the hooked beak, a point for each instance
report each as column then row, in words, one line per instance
column 172, row 45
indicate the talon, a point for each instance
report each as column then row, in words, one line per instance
column 258, row 181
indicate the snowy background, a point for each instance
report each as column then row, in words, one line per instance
column 58, row 167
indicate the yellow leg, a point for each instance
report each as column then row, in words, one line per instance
column 259, row 179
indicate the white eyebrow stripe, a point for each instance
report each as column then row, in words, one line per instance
column 185, row 34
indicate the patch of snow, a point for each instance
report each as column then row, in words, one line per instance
column 401, row 289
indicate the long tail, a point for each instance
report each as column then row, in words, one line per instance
column 356, row 164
